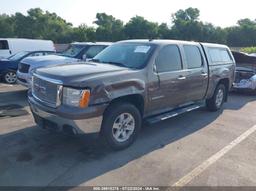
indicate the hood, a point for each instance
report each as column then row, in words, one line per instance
column 73, row 74
column 39, row 61
column 5, row 64
column 4, row 59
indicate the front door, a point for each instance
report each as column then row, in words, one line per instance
column 172, row 80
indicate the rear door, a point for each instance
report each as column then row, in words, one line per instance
column 4, row 49
column 172, row 79
column 197, row 72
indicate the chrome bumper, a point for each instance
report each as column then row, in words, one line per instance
column 50, row 121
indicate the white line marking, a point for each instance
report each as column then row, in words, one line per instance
column 199, row 169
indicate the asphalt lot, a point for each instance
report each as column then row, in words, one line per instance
column 194, row 149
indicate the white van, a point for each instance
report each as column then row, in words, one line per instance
column 11, row 46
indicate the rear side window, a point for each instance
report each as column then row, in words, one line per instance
column 193, row 56
column 168, row 59
column 93, row 51
column 4, row 45
column 219, row 55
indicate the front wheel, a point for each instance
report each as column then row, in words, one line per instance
column 10, row 77
column 218, row 98
column 121, row 125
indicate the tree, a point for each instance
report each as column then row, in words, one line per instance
column 190, row 15
column 187, row 26
column 138, row 27
column 109, row 28
column 164, row 32
column 242, row 35
column 83, row 33
column 6, row 26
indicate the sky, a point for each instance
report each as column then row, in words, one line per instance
column 218, row 12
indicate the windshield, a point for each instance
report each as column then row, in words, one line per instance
column 72, row 51
column 131, row 55
column 18, row 56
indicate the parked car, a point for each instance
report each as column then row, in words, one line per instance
column 9, row 66
column 130, row 82
column 11, row 46
column 245, row 79
column 75, row 53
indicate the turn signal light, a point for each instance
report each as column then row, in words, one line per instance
column 85, row 98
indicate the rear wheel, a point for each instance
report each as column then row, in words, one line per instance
column 10, row 77
column 121, row 125
column 218, row 98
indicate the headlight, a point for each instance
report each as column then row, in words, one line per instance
column 253, row 78
column 75, row 97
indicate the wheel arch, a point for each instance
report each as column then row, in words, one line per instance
column 135, row 99
column 226, row 83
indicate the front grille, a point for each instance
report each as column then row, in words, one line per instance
column 45, row 91
column 24, row 68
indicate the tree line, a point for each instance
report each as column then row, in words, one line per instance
column 186, row 25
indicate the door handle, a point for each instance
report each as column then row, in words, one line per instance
column 181, row 78
column 204, row 74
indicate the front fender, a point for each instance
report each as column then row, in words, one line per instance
column 108, row 91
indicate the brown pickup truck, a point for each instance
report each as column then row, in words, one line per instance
column 131, row 82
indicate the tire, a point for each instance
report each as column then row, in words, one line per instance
column 218, row 98
column 10, row 77
column 121, row 125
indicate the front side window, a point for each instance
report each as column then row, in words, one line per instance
column 93, row 51
column 168, row 59
column 72, row 51
column 130, row 55
column 4, row 45
column 193, row 56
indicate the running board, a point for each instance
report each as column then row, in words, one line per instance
column 173, row 113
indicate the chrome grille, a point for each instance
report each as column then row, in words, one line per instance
column 45, row 91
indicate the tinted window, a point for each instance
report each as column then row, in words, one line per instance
column 131, row 55
column 193, row 56
column 168, row 59
column 4, row 45
column 219, row 55
column 73, row 51
column 93, row 51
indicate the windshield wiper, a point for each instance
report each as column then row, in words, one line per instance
column 94, row 60
column 115, row 63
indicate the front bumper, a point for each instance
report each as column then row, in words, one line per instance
column 48, row 120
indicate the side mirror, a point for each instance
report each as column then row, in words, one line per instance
column 84, row 57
